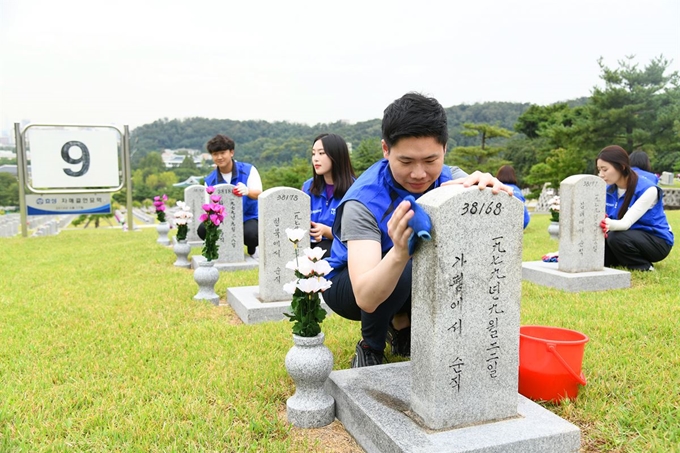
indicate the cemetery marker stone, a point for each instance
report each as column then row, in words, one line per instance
column 465, row 309
column 582, row 207
column 280, row 208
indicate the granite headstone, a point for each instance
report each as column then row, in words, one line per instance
column 194, row 197
column 582, row 207
column 280, row 208
column 465, row 309
column 231, row 230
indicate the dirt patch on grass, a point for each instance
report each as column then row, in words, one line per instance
column 332, row 438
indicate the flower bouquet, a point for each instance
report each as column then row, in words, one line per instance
column 212, row 218
column 554, row 208
column 182, row 219
column 159, row 203
column 310, row 271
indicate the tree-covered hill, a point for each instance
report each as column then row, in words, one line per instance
column 273, row 144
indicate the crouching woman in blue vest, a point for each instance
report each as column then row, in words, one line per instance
column 636, row 229
column 333, row 175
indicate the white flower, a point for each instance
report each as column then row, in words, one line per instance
column 290, row 287
column 295, row 235
column 322, row 267
column 313, row 285
column 554, row 203
column 301, row 264
column 314, row 254
column 182, row 216
column 305, row 266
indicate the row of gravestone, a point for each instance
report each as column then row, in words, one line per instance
column 10, row 224
column 581, row 246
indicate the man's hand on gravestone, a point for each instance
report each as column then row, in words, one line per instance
column 483, row 180
column 241, row 190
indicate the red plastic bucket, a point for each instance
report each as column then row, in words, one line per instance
column 550, row 360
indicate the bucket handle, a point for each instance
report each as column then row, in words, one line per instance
column 552, row 347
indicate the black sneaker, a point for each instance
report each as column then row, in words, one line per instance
column 365, row 356
column 400, row 340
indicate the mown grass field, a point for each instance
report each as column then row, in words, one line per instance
column 103, row 349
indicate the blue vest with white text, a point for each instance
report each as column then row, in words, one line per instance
column 239, row 173
column 653, row 221
column 323, row 208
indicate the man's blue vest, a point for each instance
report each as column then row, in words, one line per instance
column 379, row 192
column 239, row 173
column 653, row 221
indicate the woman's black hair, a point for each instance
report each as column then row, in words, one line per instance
column 342, row 172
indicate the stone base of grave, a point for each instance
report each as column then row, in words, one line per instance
column 246, row 303
column 373, row 405
column 248, row 263
column 547, row 274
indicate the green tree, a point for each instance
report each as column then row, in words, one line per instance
column 636, row 108
column 9, row 190
column 366, row 154
column 484, row 157
column 289, row 176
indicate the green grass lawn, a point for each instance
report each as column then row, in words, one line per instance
column 102, row 348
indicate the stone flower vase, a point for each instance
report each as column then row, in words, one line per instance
column 309, row 363
column 163, row 229
column 182, row 250
column 206, row 275
column 554, row 230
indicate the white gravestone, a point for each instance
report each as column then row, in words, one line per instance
column 465, row 316
column 231, row 230
column 195, row 198
column 280, row 208
column 582, row 208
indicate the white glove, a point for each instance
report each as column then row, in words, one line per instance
column 241, row 189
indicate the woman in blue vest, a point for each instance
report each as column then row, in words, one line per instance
column 639, row 161
column 506, row 175
column 636, row 229
column 333, row 175
column 242, row 175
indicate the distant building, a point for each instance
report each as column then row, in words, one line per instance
column 8, row 169
column 191, row 181
column 173, row 160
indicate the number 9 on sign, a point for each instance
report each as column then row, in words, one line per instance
column 73, row 157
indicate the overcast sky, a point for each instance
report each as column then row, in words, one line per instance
column 135, row 61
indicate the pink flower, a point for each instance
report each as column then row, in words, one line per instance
column 203, row 218
column 215, row 198
column 210, row 190
column 216, row 219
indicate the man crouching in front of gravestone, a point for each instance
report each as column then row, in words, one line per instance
column 370, row 254
column 240, row 174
